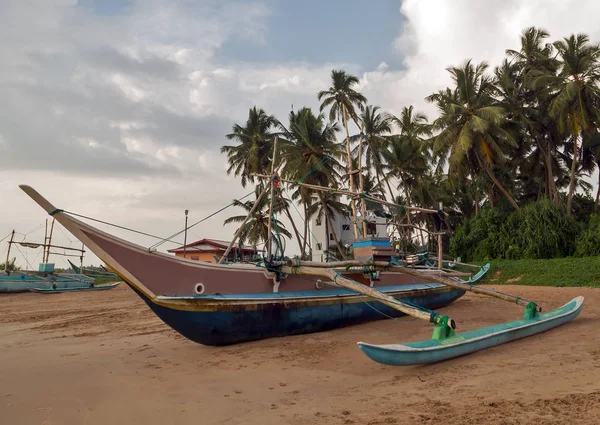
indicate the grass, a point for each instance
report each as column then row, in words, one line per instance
column 568, row 271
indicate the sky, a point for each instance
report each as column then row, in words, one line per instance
column 117, row 109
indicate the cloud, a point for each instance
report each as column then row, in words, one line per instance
column 121, row 115
column 438, row 34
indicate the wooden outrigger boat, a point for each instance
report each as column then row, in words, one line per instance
column 46, row 279
column 90, row 272
column 100, row 287
column 219, row 304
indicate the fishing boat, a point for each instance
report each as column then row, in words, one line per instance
column 220, row 304
column 45, row 278
column 91, row 272
column 100, row 287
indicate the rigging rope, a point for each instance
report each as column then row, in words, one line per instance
column 321, row 162
column 162, row 240
column 196, row 223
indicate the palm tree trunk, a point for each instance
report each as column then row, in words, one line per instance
column 572, row 182
column 300, row 245
column 305, row 229
column 335, row 238
column 491, row 196
column 499, row 185
column 598, row 191
column 551, row 183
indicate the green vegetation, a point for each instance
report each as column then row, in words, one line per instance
column 568, row 271
column 509, row 155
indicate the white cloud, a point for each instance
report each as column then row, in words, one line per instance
column 439, row 34
column 122, row 117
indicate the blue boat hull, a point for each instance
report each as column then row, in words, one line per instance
column 432, row 351
column 273, row 319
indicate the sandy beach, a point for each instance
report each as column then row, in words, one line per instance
column 103, row 357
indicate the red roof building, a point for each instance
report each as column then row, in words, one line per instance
column 207, row 249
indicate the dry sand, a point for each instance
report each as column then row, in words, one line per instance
column 104, row 358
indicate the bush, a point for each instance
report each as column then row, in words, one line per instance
column 479, row 237
column 588, row 242
column 537, row 231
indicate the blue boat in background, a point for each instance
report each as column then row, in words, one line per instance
column 45, row 278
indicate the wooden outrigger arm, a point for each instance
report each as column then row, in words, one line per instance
column 445, row 324
column 384, row 266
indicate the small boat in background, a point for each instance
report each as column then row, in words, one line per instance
column 91, row 272
column 45, row 278
column 100, row 287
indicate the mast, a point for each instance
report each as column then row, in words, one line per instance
column 350, row 172
column 45, row 241
column 363, row 205
column 81, row 260
column 8, row 252
column 440, row 243
column 272, row 200
column 49, row 241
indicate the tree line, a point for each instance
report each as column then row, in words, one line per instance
column 520, row 135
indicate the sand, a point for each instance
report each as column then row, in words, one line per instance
column 104, row 358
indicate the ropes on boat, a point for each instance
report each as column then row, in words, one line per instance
column 198, row 222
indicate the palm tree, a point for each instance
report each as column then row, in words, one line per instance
column 578, row 96
column 253, row 154
column 375, row 125
column 528, row 103
column 343, row 101
column 310, row 152
column 470, row 123
column 256, row 229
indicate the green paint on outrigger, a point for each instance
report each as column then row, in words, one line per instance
column 435, row 350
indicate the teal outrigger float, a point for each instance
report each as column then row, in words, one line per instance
column 445, row 344
column 438, row 349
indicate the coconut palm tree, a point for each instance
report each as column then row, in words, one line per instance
column 256, row 229
column 254, row 151
column 343, row 101
column 528, row 103
column 310, row 153
column 375, row 126
column 470, row 123
column 577, row 99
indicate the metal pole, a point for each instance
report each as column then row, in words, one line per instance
column 185, row 233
